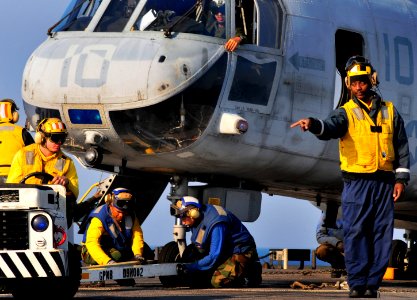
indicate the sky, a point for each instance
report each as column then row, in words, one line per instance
column 283, row 223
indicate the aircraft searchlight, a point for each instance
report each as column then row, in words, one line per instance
column 233, row 124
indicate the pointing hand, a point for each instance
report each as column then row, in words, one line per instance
column 303, row 123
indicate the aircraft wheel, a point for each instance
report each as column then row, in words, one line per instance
column 169, row 254
column 72, row 282
column 398, row 252
column 411, row 268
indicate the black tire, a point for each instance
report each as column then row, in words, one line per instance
column 48, row 288
column 398, row 252
column 72, row 283
column 169, row 254
column 411, row 268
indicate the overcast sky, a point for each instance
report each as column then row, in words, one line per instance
column 283, row 223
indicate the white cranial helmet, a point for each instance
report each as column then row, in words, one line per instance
column 218, row 2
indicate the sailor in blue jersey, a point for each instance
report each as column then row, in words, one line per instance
column 113, row 232
column 228, row 255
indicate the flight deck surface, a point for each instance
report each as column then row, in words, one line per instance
column 276, row 284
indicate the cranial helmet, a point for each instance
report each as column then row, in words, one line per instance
column 8, row 111
column 218, row 2
column 52, row 128
column 188, row 206
column 189, row 200
column 217, row 6
column 360, row 66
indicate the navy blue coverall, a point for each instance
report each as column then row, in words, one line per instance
column 367, row 200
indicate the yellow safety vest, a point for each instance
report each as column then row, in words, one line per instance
column 30, row 159
column 11, row 141
column 367, row 147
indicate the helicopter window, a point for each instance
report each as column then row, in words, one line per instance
column 171, row 16
column 267, row 30
column 78, row 15
column 84, row 116
column 215, row 19
column 116, row 16
column 252, row 82
column 243, row 19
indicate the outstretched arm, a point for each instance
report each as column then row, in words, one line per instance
column 333, row 127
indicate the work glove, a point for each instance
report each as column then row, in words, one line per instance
column 181, row 269
column 340, row 246
column 139, row 259
column 232, row 43
column 110, row 262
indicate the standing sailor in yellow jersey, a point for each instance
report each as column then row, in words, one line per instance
column 375, row 164
column 12, row 136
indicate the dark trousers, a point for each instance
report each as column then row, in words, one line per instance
column 368, row 224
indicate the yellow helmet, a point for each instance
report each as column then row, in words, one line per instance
column 52, row 125
column 8, row 111
column 51, row 128
column 360, row 66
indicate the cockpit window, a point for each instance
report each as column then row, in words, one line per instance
column 173, row 16
column 78, row 15
column 204, row 17
column 116, row 15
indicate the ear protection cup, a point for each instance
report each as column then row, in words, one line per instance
column 15, row 117
column 193, row 213
column 374, row 79
column 39, row 138
column 8, row 111
column 347, row 83
column 109, row 198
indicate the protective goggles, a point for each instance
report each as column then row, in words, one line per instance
column 57, row 138
column 123, row 200
column 356, row 60
column 123, row 204
column 180, row 213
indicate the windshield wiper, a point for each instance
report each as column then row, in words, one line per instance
column 168, row 30
column 64, row 17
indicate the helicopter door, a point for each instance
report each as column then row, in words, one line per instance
column 252, row 78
